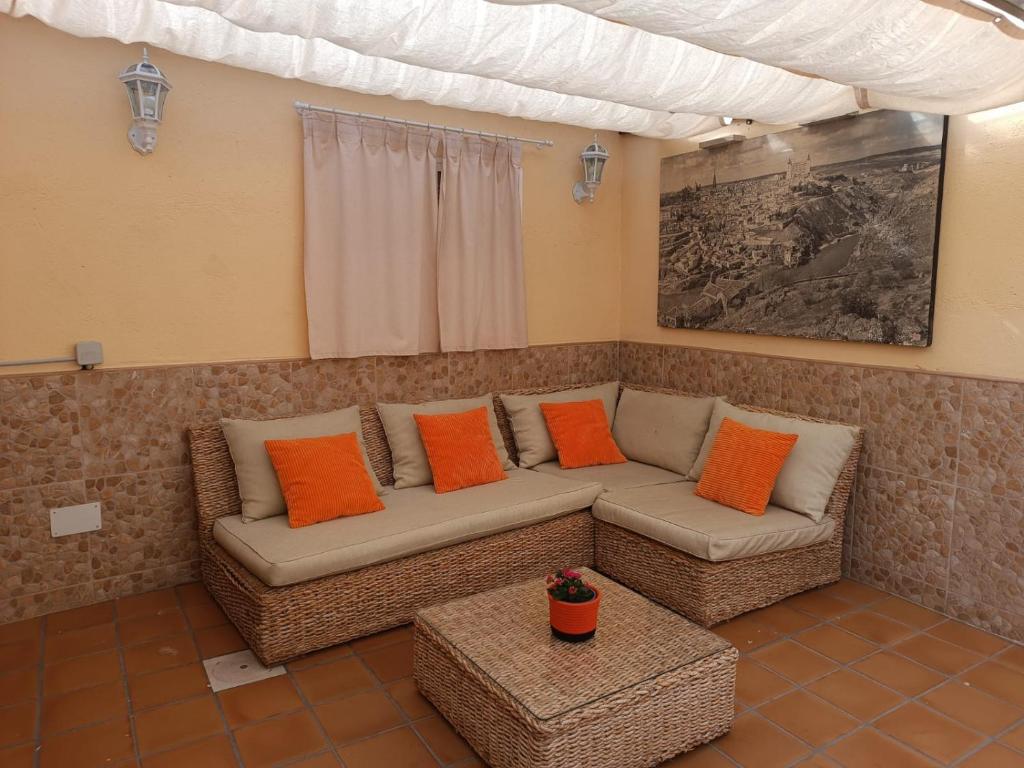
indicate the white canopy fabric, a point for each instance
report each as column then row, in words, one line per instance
column 661, row 68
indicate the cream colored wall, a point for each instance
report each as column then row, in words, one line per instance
column 195, row 252
column 979, row 311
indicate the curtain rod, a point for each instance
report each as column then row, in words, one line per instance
column 302, row 105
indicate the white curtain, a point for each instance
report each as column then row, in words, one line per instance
column 481, row 284
column 370, row 237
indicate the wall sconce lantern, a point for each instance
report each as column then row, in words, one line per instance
column 593, row 159
column 147, row 89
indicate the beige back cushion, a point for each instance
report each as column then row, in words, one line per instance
column 810, row 473
column 408, row 456
column 257, row 481
column 531, row 431
column 664, row 430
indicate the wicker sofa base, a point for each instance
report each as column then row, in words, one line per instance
column 280, row 623
column 711, row 592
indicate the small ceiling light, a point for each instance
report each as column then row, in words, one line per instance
column 593, row 159
column 147, row 89
column 1001, row 10
column 725, row 121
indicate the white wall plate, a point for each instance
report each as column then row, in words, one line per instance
column 80, row 518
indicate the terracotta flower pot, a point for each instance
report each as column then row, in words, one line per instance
column 574, row 622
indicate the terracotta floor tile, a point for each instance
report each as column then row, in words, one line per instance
column 938, row 654
column 146, row 603
column 782, row 618
column 999, row 680
column 19, row 685
column 17, row 723
column 20, row 631
column 390, row 662
column 794, row 661
column 754, row 742
column 1014, row 738
column 83, row 707
column 853, row 592
column 903, row 675
column 929, row 732
column 746, row 633
column 217, row 641
column 193, row 592
column 868, row 748
column 994, row 756
column 968, row 637
column 214, row 752
column 358, row 716
column 202, row 615
column 400, row 748
column 338, row 678
column 442, row 739
column 862, row 698
column 18, row 655
column 167, row 685
column 706, row 756
column 79, row 642
column 139, row 629
column 818, row 604
column 875, row 627
column 815, row 721
column 81, row 672
column 163, row 653
column 100, row 745
column 320, row 657
column 818, row 761
column 78, row 618
column 325, row 760
column 258, row 701
column 909, row 613
column 1013, row 657
column 22, row 756
column 179, row 723
column 973, row 708
column 379, row 640
column 283, row 738
column 409, row 699
column 836, row 643
column 755, row 684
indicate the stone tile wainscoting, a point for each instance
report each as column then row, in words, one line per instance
column 118, row 436
column 938, row 512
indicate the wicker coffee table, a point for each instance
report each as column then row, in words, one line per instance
column 650, row 684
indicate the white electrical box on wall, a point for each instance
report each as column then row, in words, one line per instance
column 80, row 518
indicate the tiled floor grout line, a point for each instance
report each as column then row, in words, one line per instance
column 886, row 647
column 122, row 662
column 332, row 748
column 40, row 692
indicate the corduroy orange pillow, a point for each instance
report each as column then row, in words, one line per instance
column 322, row 478
column 581, row 434
column 742, row 467
column 460, row 449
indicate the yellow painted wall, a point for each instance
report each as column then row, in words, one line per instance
column 979, row 312
column 195, row 252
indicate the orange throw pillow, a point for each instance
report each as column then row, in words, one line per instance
column 322, row 478
column 460, row 449
column 581, row 435
column 743, row 465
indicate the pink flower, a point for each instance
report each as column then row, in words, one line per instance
column 569, row 574
column 572, row 590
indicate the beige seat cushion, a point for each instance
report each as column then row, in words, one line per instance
column 257, row 481
column 813, row 466
column 415, row 520
column 660, row 429
column 531, row 431
column 678, row 518
column 612, row 477
column 408, row 456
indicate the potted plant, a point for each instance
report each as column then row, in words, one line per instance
column 572, row 606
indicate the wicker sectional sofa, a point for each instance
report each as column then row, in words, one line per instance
column 294, row 591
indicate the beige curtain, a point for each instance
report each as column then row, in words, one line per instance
column 370, row 237
column 481, row 290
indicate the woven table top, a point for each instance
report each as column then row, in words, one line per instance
column 506, row 635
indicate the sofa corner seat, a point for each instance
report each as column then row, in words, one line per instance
column 614, row 477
